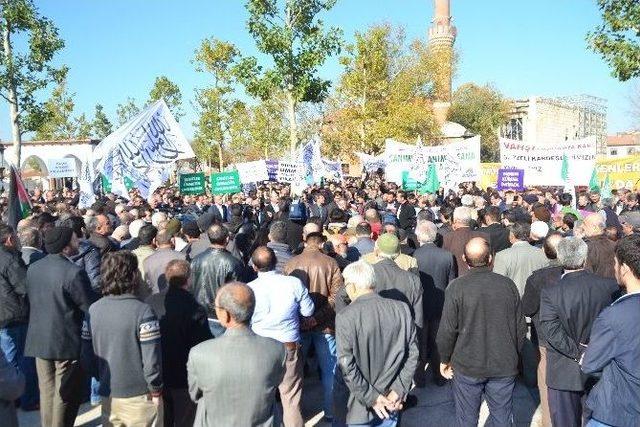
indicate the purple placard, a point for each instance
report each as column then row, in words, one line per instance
column 272, row 169
column 510, row 179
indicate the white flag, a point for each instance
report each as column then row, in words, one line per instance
column 85, row 182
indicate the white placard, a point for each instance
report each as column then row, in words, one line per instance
column 62, row 168
column 289, row 172
column 542, row 164
column 251, row 172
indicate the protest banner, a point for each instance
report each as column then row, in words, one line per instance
column 62, row 168
column 85, row 182
column 225, row 183
column 289, row 171
column 371, row 163
column 142, row 149
column 192, row 183
column 272, row 169
column 510, row 179
column 455, row 162
column 253, row 171
column 622, row 171
column 542, row 163
column 488, row 175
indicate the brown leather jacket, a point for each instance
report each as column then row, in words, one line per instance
column 321, row 275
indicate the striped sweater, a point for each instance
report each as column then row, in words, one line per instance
column 121, row 346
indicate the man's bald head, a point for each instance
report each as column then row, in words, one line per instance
column 477, row 252
column 264, row 259
column 310, row 228
column 594, row 225
column 238, row 302
column 551, row 245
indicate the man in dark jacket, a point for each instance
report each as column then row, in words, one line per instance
column 213, row 268
column 99, row 228
column 60, row 294
column 614, row 347
column 498, row 233
column 568, row 308
column 88, row 256
column 406, row 212
column 30, row 245
column 481, row 333
column 377, row 366
column 14, row 311
column 437, row 269
column 456, row 240
column 601, row 250
column 531, row 307
column 277, row 243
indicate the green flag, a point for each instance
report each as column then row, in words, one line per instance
column 605, row 193
column 594, row 185
column 432, row 184
column 564, row 172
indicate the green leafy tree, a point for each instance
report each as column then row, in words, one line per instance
column 101, row 125
column 384, row 92
column 25, row 66
column 291, row 34
column 214, row 103
column 83, row 128
column 163, row 88
column 58, row 112
column 617, row 39
column 482, row 110
column 126, row 111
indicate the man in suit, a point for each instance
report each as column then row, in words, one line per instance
column 155, row 264
column 521, row 259
column 531, row 308
column 601, row 250
column 568, row 309
column 219, row 210
column 406, row 212
column 233, row 378
column 481, row 333
column 456, row 240
column 437, row 269
column 30, row 245
column 59, row 294
column 614, row 347
column 498, row 233
column 317, row 208
column 377, row 366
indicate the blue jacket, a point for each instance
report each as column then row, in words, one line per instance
column 614, row 350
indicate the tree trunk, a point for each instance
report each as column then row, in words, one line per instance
column 12, row 95
column 220, row 161
column 293, row 124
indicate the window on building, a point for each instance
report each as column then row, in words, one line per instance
column 512, row 130
column 613, row 152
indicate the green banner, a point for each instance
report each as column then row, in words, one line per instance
column 225, row 183
column 106, row 184
column 408, row 183
column 192, row 183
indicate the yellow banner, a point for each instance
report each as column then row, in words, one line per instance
column 623, row 171
column 489, row 175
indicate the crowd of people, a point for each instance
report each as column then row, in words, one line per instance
column 206, row 310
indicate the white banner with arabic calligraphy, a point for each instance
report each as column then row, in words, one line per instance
column 542, row 164
column 455, row 162
column 143, row 149
column 371, row 163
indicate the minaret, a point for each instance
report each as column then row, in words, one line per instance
column 442, row 36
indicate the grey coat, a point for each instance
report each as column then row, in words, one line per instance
column 154, row 266
column 518, row 262
column 233, row 379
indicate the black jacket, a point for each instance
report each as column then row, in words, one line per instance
column 531, row 298
column 60, row 294
column 437, row 269
column 407, row 216
column 482, row 327
column 14, row 305
column 568, row 309
column 31, row 255
column 212, row 269
column 89, row 258
column 183, row 324
column 395, row 283
column 498, row 236
column 103, row 243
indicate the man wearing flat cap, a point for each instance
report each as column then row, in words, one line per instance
column 59, row 294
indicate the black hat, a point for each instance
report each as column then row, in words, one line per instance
column 191, row 229
column 56, row 239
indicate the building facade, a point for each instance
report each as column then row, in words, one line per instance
column 623, row 144
column 544, row 121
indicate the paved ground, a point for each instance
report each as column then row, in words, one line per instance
column 434, row 409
